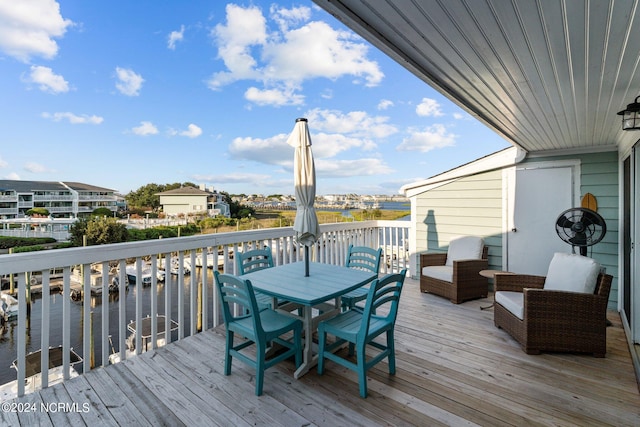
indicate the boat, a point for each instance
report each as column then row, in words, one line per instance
column 211, row 259
column 146, row 274
column 145, row 334
column 95, row 280
column 8, row 306
column 33, row 373
column 175, row 265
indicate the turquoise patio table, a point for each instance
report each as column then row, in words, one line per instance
column 325, row 282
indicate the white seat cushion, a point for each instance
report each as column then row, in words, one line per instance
column 465, row 247
column 573, row 273
column 512, row 301
column 440, row 272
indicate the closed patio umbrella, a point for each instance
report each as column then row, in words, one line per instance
column 306, row 223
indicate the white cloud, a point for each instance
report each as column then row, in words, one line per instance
column 384, row 104
column 327, row 94
column 13, row 176
column 145, row 128
column 244, row 29
column 435, row 136
column 317, row 50
column 349, row 168
column 28, row 28
column 74, row 118
column 287, row 17
column 3, row 163
column 327, row 145
column 249, row 179
column 47, row 80
column 36, row 168
column 354, row 123
column 429, row 108
column 175, row 36
column 276, row 151
column 129, row 82
column 286, row 57
column 192, row 131
column 273, row 97
column 273, row 151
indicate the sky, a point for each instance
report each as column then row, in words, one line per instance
column 120, row 94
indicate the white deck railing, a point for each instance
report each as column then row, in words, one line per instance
column 331, row 248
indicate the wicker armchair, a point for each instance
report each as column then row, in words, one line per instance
column 460, row 280
column 553, row 320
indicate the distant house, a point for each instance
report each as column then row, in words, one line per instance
column 61, row 199
column 191, row 200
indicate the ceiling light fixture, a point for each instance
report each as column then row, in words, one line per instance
column 631, row 116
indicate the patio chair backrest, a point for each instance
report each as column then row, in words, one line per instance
column 254, row 260
column 364, row 258
column 382, row 292
column 233, row 290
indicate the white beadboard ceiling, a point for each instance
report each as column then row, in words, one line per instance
column 546, row 74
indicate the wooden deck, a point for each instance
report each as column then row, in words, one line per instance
column 454, row 368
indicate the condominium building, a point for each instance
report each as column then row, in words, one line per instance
column 61, row 199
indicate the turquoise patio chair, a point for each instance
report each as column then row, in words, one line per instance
column 360, row 328
column 254, row 260
column 259, row 327
column 362, row 258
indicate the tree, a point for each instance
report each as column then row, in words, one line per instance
column 38, row 211
column 102, row 212
column 237, row 209
column 98, row 230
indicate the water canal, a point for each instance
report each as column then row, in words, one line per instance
column 8, row 335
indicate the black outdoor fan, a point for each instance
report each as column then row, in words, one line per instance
column 581, row 227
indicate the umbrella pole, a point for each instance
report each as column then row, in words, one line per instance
column 306, row 261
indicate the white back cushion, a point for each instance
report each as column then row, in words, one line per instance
column 466, row 247
column 572, row 272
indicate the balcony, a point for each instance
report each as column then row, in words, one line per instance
column 53, row 197
column 454, row 366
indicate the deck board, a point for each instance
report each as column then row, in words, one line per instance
column 454, row 367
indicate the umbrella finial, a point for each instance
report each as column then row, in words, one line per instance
column 301, row 119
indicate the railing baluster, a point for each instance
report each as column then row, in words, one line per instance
column 205, row 284
column 122, row 309
column 44, row 339
column 193, row 289
column 167, row 303
column 66, row 322
column 86, row 318
column 138, row 337
column 180, row 296
column 154, row 298
column 105, row 313
column 22, row 331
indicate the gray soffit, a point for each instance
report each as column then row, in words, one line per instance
column 546, row 75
